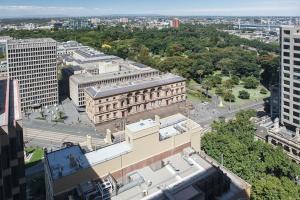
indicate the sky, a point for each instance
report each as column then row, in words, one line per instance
column 26, row 8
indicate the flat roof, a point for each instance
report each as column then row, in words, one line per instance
column 107, row 91
column 107, row 153
column 60, row 164
column 141, row 125
column 88, row 78
column 69, row 160
column 31, row 40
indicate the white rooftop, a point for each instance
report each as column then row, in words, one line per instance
column 141, row 125
column 107, row 153
column 69, row 160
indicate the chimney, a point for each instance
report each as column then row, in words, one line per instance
column 297, row 136
column 276, row 125
column 89, row 142
column 157, row 119
column 108, row 136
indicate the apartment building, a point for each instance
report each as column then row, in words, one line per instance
column 12, row 169
column 127, row 98
column 290, row 77
column 159, row 159
column 33, row 63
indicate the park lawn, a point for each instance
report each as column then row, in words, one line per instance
column 254, row 94
column 37, row 155
column 193, row 93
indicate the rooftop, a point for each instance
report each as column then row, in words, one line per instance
column 10, row 110
column 69, row 160
column 141, row 125
column 32, row 40
column 105, row 91
column 88, row 78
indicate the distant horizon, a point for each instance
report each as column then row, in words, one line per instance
column 140, row 15
column 79, row 8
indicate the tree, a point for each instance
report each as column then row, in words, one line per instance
column 269, row 170
column 219, row 91
column 250, row 82
column 244, row 94
column 228, row 84
column 235, row 80
column 228, row 96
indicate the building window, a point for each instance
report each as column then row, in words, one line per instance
column 287, row 32
column 287, row 68
column 297, row 63
column 296, row 55
column 296, row 121
column 286, row 89
column 286, row 39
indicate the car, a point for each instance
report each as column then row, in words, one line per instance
column 67, row 144
column 205, row 103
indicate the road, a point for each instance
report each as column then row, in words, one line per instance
column 52, row 138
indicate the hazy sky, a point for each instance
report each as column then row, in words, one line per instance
column 19, row 8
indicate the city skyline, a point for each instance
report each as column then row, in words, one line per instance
column 35, row 8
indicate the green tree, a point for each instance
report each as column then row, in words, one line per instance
column 243, row 94
column 228, row 96
column 250, row 82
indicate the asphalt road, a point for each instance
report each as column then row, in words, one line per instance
column 204, row 114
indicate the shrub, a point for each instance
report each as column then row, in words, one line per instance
column 263, row 91
column 250, row 82
column 244, row 94
column 235, row 80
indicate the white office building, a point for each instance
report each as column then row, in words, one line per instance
column 33, row 62
column 290, row 77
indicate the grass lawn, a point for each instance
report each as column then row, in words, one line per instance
column 193, row 92
column 254, row 94
column 37, row 155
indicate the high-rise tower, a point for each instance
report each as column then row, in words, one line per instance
column 33, row 63
column 290, row 77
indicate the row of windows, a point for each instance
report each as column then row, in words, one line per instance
column 32, row 56
column 287, row 47
column 33, row 73
column 296, row 40
column 37, row 49
column 34, row 61
column 295, row 106
column 295, row 121
column 287, row 54
column 36, row 91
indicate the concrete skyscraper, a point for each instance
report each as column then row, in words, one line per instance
column 33, row 63
column 12, row 170
column 290, row 77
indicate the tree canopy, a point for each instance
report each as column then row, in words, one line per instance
column 269, row 170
